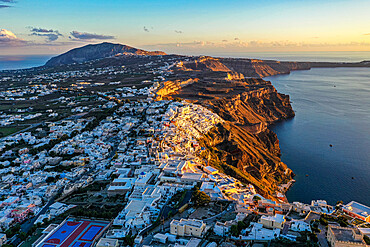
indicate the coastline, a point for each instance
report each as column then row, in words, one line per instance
column 330, row 113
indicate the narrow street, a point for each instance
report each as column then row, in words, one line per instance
column 322, row 237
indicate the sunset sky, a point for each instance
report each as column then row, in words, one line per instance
column 185, row 27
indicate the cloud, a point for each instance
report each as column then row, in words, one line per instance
column 183, row 44
column 366, row 33
column 3, row 6
column 43, row 30
column 8, row 38
column 50, row 34
column 254, row 45
column 75, row 35
column 178, row 31
column 146, row 29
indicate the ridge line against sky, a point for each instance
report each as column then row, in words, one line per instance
column 188, row 27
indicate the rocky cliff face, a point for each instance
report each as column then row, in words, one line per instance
column 250, row 158
column 263, row 68
column 206, row 63
column 98, row 51
column 243, row 146
column 169, row 87
column 248, row 67
column 262, row 105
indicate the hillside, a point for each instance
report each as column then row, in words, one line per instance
column 97, row 51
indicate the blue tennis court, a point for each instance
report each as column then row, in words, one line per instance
column 91, row 233
column 81, row 244
column 75, row 233
column 63, row 232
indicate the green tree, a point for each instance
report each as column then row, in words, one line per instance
column 22, row 236
column 323, row 221
column 241, row 225
column 50, row 180
column 200, row 198
column 234, row 230
column 367, row 240
column 313, row 237
column 256, row 198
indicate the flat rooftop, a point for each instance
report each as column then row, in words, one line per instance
column 358, row 208
column 276, row 218
column 190, row 222
column 343, row 234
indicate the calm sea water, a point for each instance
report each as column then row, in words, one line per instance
column 332, row 107
column 22, row 62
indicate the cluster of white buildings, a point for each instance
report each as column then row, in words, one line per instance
column 9, row 119
column 55, row 130
column 30, row 92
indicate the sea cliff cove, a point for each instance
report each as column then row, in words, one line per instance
column 163, row 123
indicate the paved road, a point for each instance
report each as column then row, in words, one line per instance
column 286, row 228
column 147, row 240
column 322, row 237
column 26, row 226
column 230, row 208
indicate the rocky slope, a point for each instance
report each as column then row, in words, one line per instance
column 243, row 146
column 98, row 51
column 259, row 68
column 262, row 68
column 251, row 158
column 248, row 67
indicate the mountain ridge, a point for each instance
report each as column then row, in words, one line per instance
column 97, row 51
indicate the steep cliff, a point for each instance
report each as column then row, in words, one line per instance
column 250, row 158
column 205, row 63
column 260, row 103
column 243, row 146
column 262, row 68
column 169, row 87
column 248, row 67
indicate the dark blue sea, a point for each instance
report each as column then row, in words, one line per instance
column 332, row 107
column 22, row 61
